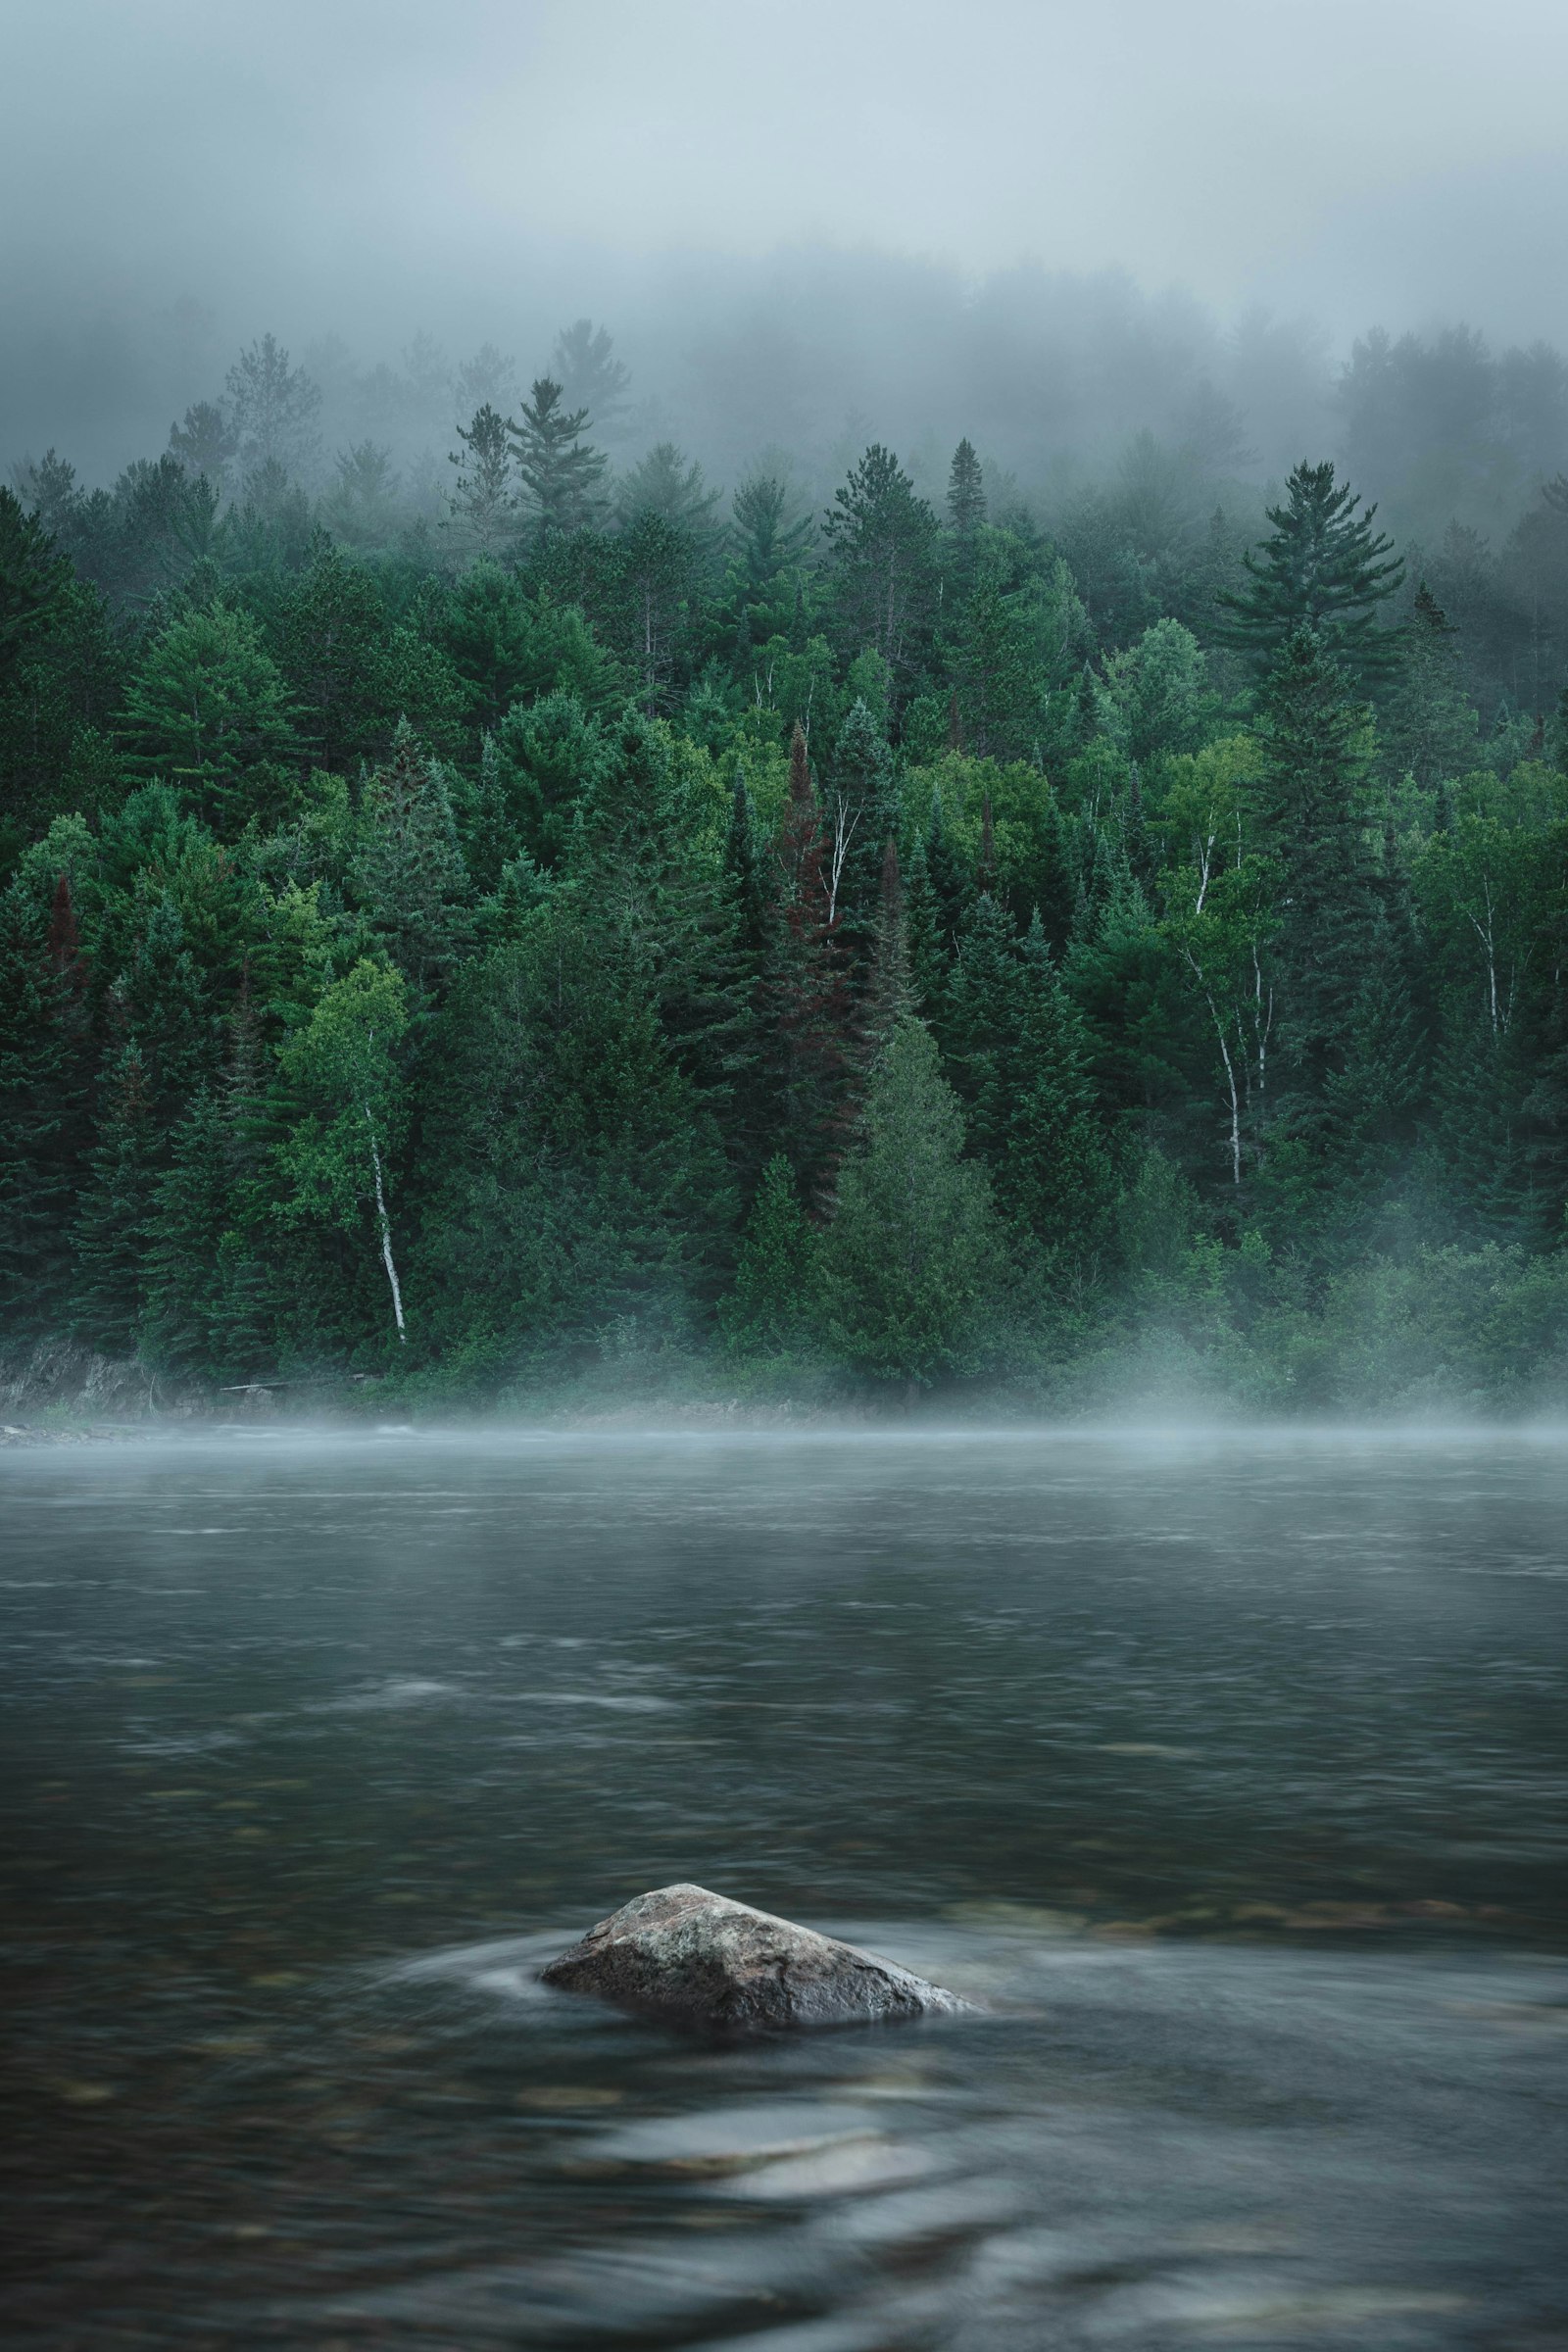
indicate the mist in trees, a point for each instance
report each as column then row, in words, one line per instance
column 510, row 882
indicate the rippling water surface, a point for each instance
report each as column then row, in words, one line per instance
column 1229, row 1775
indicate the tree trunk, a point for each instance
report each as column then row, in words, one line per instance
column 385, row 1223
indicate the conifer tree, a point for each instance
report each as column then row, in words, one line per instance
column 1323, row 568
column 1311, row 801
column 913, row 1262
column 966, row 497
column 805, row 992
column 113, row 1220
column 484, row 505
column 767, row 1310
column 881, row 539
column 1429, row 729
column 45, row 1132
column 889, row 996
column 207, row 707
column 560, row 471
column 408, row 875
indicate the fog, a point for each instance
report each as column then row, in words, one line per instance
column 1044, row 226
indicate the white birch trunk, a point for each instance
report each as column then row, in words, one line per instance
column 385, row 1223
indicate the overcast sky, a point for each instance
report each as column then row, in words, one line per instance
column 178, row 175
column 1403, row 157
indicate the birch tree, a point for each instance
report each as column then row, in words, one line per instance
column 340, row 1153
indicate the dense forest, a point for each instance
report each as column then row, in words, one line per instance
column 518, row 919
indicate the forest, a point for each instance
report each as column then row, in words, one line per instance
column 523, row 920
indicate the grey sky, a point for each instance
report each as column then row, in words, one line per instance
column 1393, row 157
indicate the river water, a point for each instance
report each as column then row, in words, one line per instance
column 1227, row 1775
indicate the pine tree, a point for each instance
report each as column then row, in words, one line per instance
column 1311, row 801
column 273, row 407
column 45, row 1132
column 768, row 1307
column 183, row 1236
column 772, row 545
column 1322, row 568
column 207, row 707
column 891, row 994
column 408, row 875
column 484, row 505
column 966, row 497
column 1053, row 1170
column 805, row 993
column 881, row 538
column 592, row 378
column 113, row 1219
column 913, row 1263
column 1429, row 729
column 862, row 810
column 558, row 468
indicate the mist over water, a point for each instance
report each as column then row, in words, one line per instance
column 1224, row 1769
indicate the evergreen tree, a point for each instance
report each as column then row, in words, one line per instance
column 891, row 994
column 273, row 407
column 208, row 708
column 113, row 1220
column 664, row 485
column 590, row 377
column 966, row 497
column 1322, row 568
column 913, row 1262
column 560, row 471
column 767, row 1310
column 484, row 505
column 44, row 1125
column 1311, row 801
column 772, row 546
column 1053, row 1171
column 1429, row 729
column 804, row 994
column 862, row 810
column 881, row 540
column 408, row 875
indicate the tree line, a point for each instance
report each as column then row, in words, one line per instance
column 592, row 931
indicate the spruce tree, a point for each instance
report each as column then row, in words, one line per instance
column 408, row 875
column 1429, row 729
column 891, row 996
column 45, row 1130
column 767, row 1310
column 484, row 504
column 560, row 471
column 881, row 538
column 966, row 497
column 112, row 1224
column 1323, row 568
column 1312, row 803
column 805, row 992
column 913, row 1262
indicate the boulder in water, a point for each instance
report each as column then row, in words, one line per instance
column 697, row 1959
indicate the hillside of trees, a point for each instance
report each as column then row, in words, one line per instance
column 528, row 922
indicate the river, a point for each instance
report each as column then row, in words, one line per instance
column 1227, row 1774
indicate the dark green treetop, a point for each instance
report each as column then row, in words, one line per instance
column 1323, row 568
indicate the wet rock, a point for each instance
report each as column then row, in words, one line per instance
column 697, row 1959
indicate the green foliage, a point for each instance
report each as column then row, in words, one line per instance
column 885, row 954
column 767, row 1310
column 1323, row 568
column 208, row 708
column 913, row 1263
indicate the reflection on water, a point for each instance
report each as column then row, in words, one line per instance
column 1228, row 1777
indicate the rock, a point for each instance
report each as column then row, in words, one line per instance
column 697, row 1959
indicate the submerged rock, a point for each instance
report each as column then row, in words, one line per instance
column 697, row 1959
